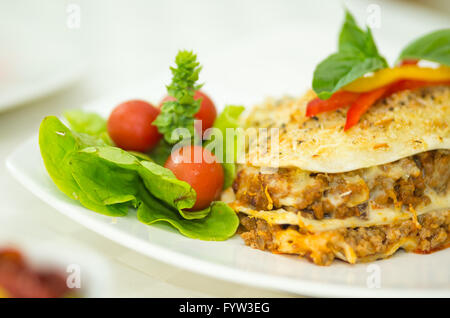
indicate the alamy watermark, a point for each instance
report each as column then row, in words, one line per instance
column 73, row 280
column 373, row 19
column 374, row 278
column 73, row 18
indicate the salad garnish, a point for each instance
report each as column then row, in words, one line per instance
column 93, row 162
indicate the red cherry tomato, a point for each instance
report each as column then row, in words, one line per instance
column 200, row 168
column 207, row 112
column 130, row 126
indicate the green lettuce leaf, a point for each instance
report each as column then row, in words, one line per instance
column 227, row 119
column 104, row 181
column 434, row 46
column 84, row 122
column 110, row 170
column 57, row 144
column 163, row 184
column 357, row 55
column 88, row 123
column 113, row 176
column 109, row 180
column 220, row 224
column 161, row 152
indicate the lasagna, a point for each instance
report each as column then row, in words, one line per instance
column 356, row 195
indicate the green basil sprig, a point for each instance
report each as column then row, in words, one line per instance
column 434, row 46
column 357, row 55
column 180, row 112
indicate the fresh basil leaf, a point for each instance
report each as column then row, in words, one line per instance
column 341, row 69
column 220, row 224
column 357, row 55
column 434, row 46
column 353, row 39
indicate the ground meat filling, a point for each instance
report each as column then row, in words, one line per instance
column 320, row 195
column 368, row 243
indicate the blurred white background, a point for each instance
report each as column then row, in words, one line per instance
column 249, row 49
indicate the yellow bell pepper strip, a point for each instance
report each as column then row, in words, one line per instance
column 405, row 72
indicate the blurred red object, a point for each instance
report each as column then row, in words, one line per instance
column 19, row 280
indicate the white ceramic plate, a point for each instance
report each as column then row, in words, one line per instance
column 405, row 274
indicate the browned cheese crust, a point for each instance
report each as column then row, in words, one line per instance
column 399, row 126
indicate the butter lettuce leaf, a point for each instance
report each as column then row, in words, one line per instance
column 85, row 122
column 105, row 181
column 88, row 123
column 228, row 118
column 161, row 152
column 110, row 181
column 163, row 184
column 57, row 144
column 107, row 165
column 220, row 224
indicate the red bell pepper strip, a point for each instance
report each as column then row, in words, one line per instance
column 337, row 100
column 409, row 62
column 362, row 104
column 365, row 100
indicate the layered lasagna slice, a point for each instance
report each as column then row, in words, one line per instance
column 358, row 195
